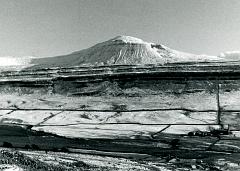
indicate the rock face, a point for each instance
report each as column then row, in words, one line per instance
column 122, row 50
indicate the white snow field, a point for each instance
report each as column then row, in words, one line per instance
column 98, row 124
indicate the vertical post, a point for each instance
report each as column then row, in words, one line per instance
column 51, row 88
column 218, row 105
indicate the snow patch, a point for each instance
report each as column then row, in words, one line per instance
column 10, row 167
column 230, row 55
column 128, row 39
column 14, row 61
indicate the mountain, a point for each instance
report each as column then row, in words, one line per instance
column 122, row 50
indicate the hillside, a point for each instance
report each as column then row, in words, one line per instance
column 122, row 50
column 124, row 110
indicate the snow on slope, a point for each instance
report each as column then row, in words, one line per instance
column 14, row 63
column 122, row 50
column 231, row 55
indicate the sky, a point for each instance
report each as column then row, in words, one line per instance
column 55, row 27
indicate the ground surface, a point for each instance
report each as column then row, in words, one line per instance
column 95, row 120
column 37, row 160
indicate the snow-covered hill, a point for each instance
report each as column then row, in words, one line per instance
column 123, row 50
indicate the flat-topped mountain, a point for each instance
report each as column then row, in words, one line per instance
column 122, row 50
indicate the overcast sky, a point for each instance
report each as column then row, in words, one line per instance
column 54, row 27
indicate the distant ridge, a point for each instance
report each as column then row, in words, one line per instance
column 122, row 50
